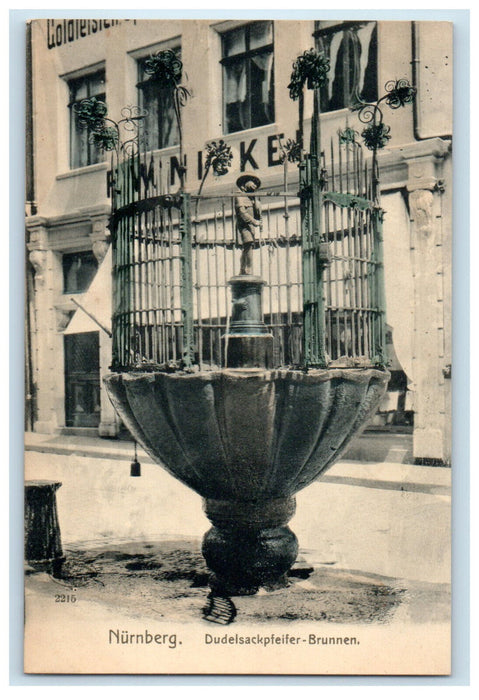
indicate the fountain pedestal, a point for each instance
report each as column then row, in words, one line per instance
column 249, row 545
column 247, row 342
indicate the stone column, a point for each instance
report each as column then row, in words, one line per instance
column 109, row 423
column 44, row 331
column 430, row 233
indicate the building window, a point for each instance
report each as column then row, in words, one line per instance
column 352, row 49
column 248, row 84
column 160, row 125
column 78, row 271
column 82, row 380
column 82, row 151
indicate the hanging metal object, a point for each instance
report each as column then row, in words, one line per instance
column 135, row 466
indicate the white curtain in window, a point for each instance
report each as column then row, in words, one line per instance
column 265, row 63
column 236, row 83
column 150, row 103
column 333, row 58
column 80, row 145
column 364, row 37
column 168, row 124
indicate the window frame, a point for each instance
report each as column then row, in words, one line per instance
column 94, row 155
column 245, row 55
column 349, row 96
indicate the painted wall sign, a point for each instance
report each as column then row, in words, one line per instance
column 266, row 155
column 64, row 31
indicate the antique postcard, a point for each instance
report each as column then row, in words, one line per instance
column 238, row 346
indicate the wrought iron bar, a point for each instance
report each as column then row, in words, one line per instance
column 380, row 357
column 187, row 282
column 342, row 317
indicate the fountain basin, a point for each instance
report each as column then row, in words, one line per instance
column 246, row 435
column 247, row 440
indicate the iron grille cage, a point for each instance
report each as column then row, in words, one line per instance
column 173, row 255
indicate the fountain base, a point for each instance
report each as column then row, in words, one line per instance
column 249, row 544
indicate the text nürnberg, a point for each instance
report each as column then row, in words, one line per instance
column 126, row 637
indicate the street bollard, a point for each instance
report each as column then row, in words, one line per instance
column 43, row 546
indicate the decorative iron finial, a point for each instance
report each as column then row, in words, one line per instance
column 105, row 132
column 347, row 135
column 165, row 67
column 376, row 134
column 399, row 93
column 218, row 156
column 291, row 151
column 91, row 113
column 310, row 69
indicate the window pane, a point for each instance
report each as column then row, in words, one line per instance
column 96, row 84
column 248, row 92
column 79, row 142
column 235, row 96
column 368, row 87
column 149, row 102
column 262, row 89
column 352, row 52
column 78, row 90
column 337, row 100
column 260, row 34
column 351, row 68
column 82, row 152
column 234, row 42
column 78, row 271
column 169, row 135
column 160, row 125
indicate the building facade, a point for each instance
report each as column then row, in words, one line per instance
column 237, row 73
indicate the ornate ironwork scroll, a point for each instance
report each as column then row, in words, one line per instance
column 106, row 133
column 377, row 133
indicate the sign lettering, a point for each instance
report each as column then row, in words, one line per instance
column 268, row 156
column 272, row 149
column 246, row 155
column 64, row 31
column 175, row 168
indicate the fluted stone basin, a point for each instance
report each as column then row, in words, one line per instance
column 247, row 440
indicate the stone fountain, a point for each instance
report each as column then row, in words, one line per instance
column 247, row 438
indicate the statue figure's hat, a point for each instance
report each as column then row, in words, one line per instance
column 244, row 177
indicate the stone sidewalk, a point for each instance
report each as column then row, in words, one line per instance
column 371, row 446
column 388, row 518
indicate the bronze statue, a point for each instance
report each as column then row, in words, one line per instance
column 248, row 217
